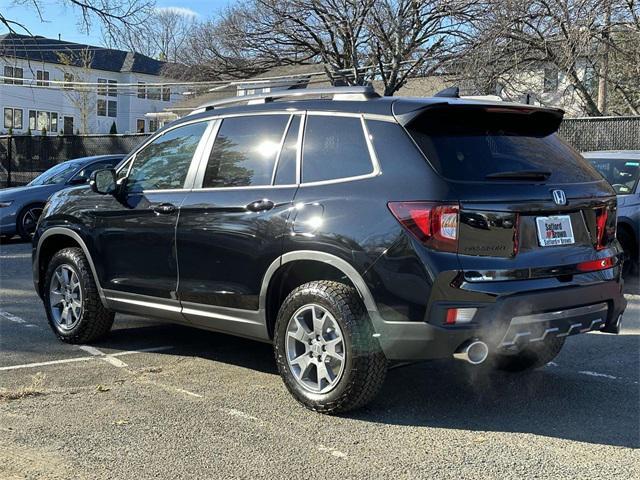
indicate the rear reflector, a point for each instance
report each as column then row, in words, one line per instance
column 595, row 265
column 457, row 316
column 434, row 224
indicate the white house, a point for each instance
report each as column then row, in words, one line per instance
column 65, row 87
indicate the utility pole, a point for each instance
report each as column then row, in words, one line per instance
column 604, row 62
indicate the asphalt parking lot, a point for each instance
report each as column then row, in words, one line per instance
column 161, row 401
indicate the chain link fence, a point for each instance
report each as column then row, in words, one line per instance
column 23, row 158
column 602, row 133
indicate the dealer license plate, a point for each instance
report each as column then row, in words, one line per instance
column 555, row 230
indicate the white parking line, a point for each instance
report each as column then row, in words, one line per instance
column 14, row 256
column 11, row 317
column 596, row 374
column 44, row 364
column 95, row 356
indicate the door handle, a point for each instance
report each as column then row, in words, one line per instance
column 260, row 205
column 164, row 208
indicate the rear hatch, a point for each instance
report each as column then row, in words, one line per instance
column 530, row 205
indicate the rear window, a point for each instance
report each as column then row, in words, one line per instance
column 478, row 145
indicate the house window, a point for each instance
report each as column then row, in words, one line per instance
column 112, row 108
column 102, row 108
column 154, row 93
column 32, row 119
column 102, row 87
column 166, row 94
column 13, row 118
column 140, row 125
column 142, row 90
column 54, row 122
column 14, row 73
column 44, row 119
column 153, row 125
column 112, row 90
column 42, row 77
column 8, row 118
column 550, row 79
column 68, row 80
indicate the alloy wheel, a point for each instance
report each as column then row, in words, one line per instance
column 30, row 220
column 65, row 297
column 315, row 348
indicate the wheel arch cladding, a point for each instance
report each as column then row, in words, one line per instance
column 290, row 276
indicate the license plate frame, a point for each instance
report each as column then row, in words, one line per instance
column 555, row 231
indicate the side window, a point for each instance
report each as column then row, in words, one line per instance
column 164, row 163
column 245, row 150
column 286, row 168
column 89, row 169
column 334, row 147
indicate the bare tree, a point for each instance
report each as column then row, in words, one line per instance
column 113, row 15
column 76, row 67
column 409, row 37
column 164, row 35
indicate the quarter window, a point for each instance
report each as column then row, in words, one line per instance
column 334, row 147
column 164, row 163
column 245, row 150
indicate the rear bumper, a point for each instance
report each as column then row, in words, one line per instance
column 526, row 313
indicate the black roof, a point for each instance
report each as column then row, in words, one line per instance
column 42, row 49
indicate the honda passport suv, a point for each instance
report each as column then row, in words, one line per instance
column 349, row 231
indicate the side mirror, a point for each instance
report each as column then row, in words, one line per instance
column 103, row 181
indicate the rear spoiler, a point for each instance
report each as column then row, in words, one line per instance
column 408, row 111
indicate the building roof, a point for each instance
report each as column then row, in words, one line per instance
column 42, row 49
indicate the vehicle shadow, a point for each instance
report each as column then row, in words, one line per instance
column 560, row 401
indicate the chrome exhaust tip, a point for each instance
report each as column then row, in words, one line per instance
column 474, row 352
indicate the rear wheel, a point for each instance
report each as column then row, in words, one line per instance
column 325, row 349
column 28, row 220
column 74, row 309
column 533, row 355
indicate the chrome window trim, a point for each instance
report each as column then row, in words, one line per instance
column 373, row 158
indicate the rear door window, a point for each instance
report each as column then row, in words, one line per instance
column 334, row 148
column 476, row 145
column 245, row 151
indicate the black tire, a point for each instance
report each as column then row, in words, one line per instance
column 27, row 220
column 534, row 355
column 630, row 251
column 95, row 320
column 365, row 365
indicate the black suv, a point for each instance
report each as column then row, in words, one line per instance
column 347, row 229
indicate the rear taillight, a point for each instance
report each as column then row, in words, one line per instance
column 601, row 227
column 434, row 224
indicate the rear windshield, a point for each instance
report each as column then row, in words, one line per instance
column 622, row 174
column 474, row 145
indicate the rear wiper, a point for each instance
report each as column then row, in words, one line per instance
column 520, row 175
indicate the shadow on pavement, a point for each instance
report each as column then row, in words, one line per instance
column 553, row 402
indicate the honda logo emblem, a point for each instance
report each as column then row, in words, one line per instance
column 559, row 197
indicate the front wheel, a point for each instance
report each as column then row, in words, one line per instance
column 74, row 309
column 27, row 221
column 533, row 355
column 325, row 349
